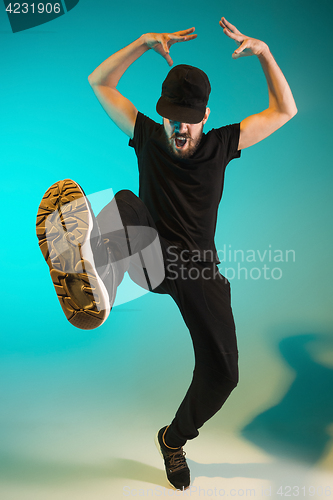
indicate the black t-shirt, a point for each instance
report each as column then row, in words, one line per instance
column 183, row 195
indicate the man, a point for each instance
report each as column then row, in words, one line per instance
column 181, row 180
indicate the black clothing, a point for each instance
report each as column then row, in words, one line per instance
column 179, row 200
column 182, row 195
column 202, row 295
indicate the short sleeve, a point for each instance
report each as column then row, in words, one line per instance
column 229, row 136
column 144, row 129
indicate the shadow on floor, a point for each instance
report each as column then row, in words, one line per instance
column 297, row 427
column 19, row 470
column 14, row 470
column 295, row 430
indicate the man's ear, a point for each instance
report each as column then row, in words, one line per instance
column 206, row 116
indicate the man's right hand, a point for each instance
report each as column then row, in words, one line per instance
column 105, row 78
column 161, row 42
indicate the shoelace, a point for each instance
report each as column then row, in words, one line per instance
column 176, row 460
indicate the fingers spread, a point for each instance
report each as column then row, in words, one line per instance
column 183, row 36
column 184, row 32
column 238, row 55
column 189, row 37
column 242, row 41
column 230, row 26
column 234, row 36
column 164, row 43
column 227, row 31
column 221, row 23
column 175, row 38
column 243, row 45
column 242, row 50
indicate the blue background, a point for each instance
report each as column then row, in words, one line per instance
column 65, row 392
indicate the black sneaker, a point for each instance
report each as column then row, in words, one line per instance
column 71, row 244
column 176, row 468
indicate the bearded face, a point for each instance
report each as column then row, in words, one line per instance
column 183, row 138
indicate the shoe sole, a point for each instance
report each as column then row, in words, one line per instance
column 63, row 228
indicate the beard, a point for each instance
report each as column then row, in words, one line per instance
column 191, row 143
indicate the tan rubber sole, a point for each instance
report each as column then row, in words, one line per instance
column 63, row 228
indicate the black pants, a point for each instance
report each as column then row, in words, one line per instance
column 202, row 295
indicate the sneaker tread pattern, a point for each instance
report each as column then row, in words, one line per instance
column 62, row 228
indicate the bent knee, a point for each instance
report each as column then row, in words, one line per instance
column 226, row 369
column 232, row 373
column 229, row 378
column 234, row 381
column 125, row 195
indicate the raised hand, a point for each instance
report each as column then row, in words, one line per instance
column 161, row 42
column 247, row 46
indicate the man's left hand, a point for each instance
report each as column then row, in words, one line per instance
column 246, row 46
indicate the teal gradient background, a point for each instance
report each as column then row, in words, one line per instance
column 70, row 399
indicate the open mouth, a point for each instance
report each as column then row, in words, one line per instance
column 180, row 141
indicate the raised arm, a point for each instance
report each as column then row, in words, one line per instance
column 281, row 104
column 105, row 78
